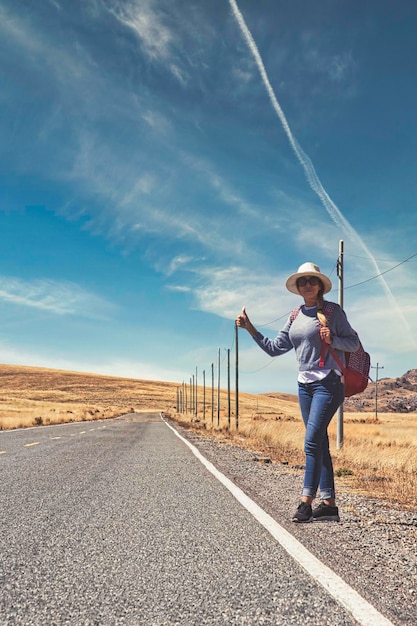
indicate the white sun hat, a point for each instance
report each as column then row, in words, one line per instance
column 308, row 269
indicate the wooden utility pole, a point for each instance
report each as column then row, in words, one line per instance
column 228, row 388
column 204, row 395
column 212, row 393
column 218, row 390
column 376, row 367
column 339, row 433
column 237, row 377
column 196, row 394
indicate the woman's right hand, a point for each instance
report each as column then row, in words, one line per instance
column 243, row 321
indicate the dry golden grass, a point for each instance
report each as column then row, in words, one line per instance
column 379, row 457
column 32, row 396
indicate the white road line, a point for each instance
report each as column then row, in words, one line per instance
column 358, row 607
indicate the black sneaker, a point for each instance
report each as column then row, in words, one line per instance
column 304, row 513
column 324, row 512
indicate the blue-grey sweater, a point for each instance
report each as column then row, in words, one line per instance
column 303, row 335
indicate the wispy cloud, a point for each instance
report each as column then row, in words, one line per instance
column 155, row 37
column 58, row 298
column 339, row 66
column 63, row 63
column 179, row 288
column 159, row 42
column 133, row 204
column 316, row 54
column 121, row 189
column 220, row 186
column 157, row 121
column 224, row 290
column 178, row 262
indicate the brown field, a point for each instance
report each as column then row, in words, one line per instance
column 379, row 457
column 32, row 396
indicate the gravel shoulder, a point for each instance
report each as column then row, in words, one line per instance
column 373, row 548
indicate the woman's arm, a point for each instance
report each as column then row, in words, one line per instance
column 343, row 336
column 274, row 347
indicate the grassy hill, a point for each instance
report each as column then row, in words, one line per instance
column 34, row 395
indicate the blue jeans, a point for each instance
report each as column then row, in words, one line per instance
column 318, row 403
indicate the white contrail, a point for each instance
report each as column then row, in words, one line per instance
column 305, row 160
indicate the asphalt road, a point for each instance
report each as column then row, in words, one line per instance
column 117, row 522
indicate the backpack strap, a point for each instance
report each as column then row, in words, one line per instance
column 294, row 313
column 325, row 347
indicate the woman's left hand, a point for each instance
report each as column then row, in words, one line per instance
column 326, row 335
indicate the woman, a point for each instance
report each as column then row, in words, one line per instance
column 320, row 386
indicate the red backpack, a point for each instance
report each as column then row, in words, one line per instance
column 358, row 363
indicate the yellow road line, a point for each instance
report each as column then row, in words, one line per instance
column 52, row 438
column 34, row 443
column 3, row 452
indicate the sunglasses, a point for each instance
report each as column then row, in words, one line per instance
column 313, row 280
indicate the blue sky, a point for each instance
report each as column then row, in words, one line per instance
column 165, row 163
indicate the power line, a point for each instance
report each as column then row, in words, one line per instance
column 275, row 320
column 358, row 256
column 382, row 273
column 271, row 362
